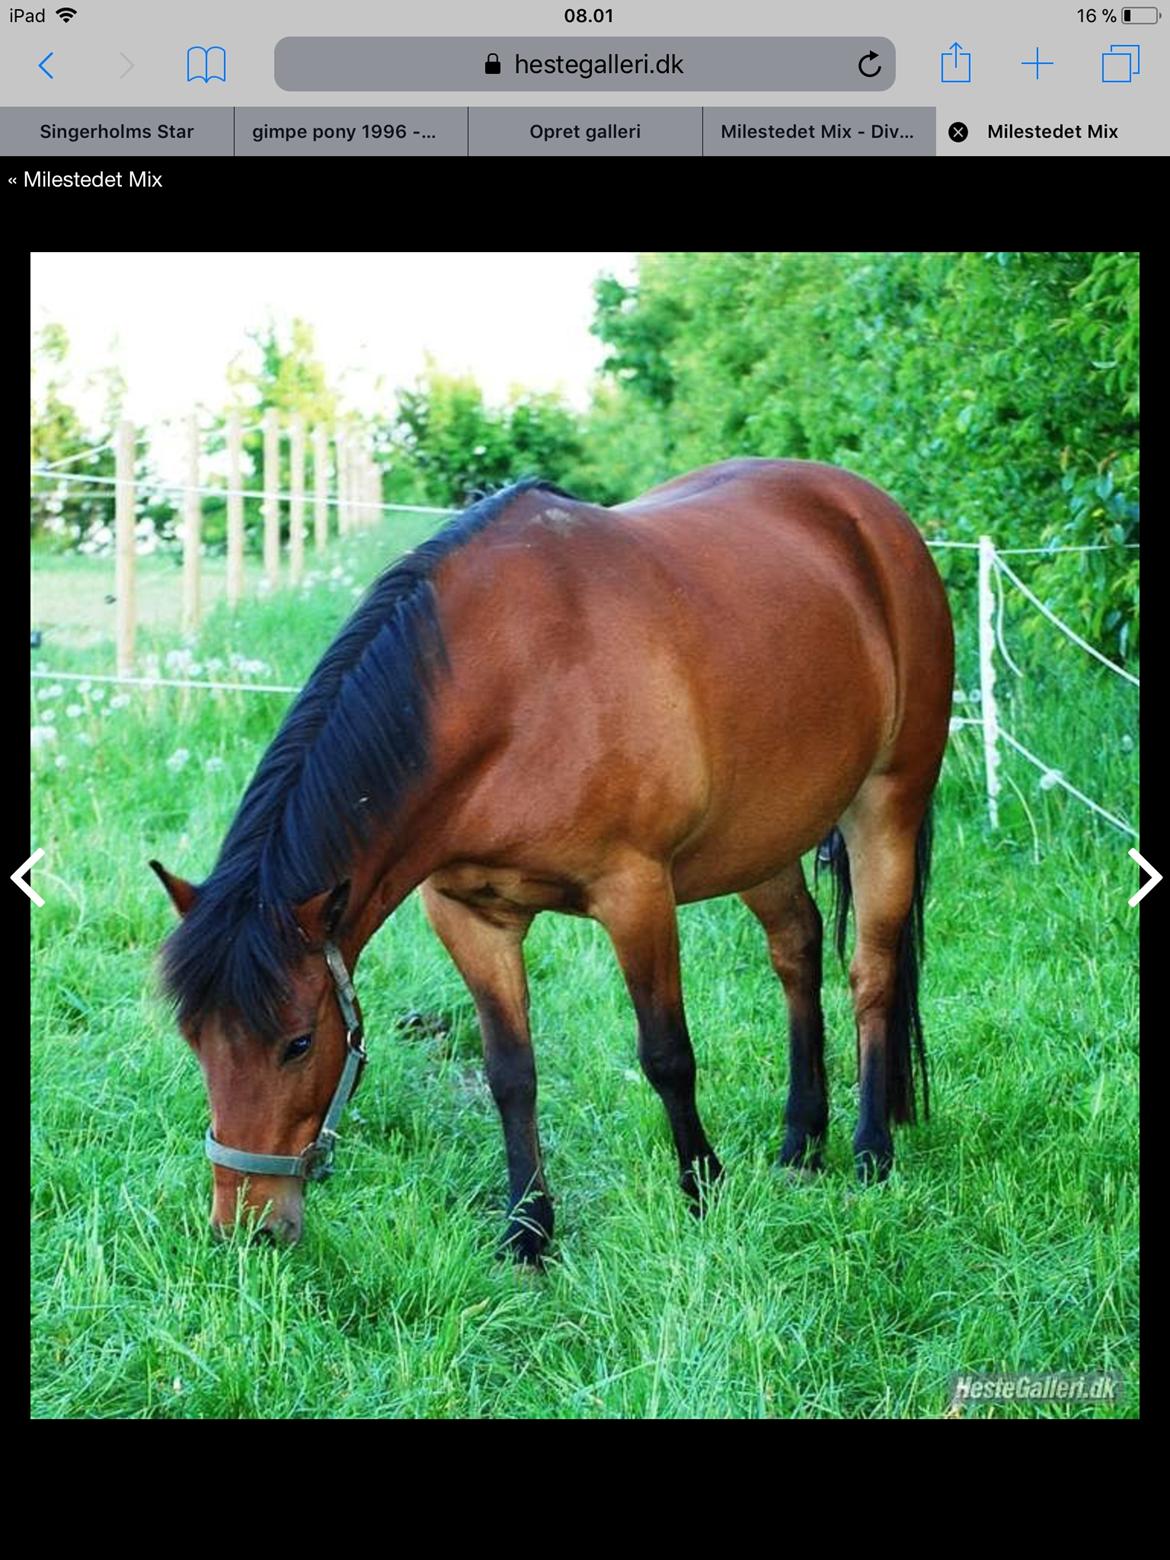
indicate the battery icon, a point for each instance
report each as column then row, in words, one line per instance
column 1140, row 13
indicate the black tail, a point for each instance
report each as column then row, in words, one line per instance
column 907, row 1050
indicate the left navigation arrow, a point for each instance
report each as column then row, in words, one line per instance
column 18, row 877
column 41, row 65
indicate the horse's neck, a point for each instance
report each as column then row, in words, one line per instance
column 379, row 885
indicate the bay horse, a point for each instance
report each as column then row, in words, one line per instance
column 550, row 705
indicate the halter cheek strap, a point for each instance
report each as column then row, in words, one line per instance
column 315, row 1162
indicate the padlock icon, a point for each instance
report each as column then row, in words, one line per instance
column 491, row 66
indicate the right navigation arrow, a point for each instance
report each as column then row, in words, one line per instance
column 129, row 65
column 1155, row 878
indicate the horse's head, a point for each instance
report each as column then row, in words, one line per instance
column 276, row 1095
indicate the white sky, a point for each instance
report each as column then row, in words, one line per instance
column 173, row 322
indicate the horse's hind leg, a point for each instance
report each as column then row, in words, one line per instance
column 488, row 954
column 637, row 909
column 785, row 909
column 888, row 839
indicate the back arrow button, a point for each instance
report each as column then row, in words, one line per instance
column 41, row 65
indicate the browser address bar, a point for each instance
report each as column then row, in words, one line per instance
column 852, row 64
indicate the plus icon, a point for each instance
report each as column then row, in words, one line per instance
column 1035, row 64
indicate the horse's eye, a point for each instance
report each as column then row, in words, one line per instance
column 298, row 1047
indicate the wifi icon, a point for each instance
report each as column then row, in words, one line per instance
column 67, row 13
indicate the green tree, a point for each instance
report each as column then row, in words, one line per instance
column 990, row 393
column 458, row 446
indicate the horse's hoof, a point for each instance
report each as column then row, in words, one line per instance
column 804, row 1157
column 698, row 1180
column 528, row 1237
column 873, row 1164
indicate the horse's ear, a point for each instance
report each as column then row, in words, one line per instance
column 182, row 893
column 319, row 917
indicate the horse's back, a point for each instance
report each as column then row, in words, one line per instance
column 823, row 542
column 712, row 669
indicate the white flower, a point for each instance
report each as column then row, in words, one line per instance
column 49, row 715
column 99, row 694
column 73, row 711
column 336, row 572
column 213, row 665
column 1127, row 743
column 84, row 687
column 177, row 760
column 1049, row 778
column 54, row 692
column 119, row 701
column 85, row 739
column 356, row 591
column 62, row 761
column 178, row 660
column 213, row 765
column 41, row 736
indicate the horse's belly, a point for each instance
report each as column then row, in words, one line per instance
column 753, row 840
column 758, row 826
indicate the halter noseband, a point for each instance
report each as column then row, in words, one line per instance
column 316, row 1161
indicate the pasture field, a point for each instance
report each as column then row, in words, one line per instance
column 1007, row 1237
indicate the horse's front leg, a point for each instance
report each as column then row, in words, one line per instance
column 488, row 953
column 637, row 909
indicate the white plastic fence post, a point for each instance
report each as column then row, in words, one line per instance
column 271, row 502
column 235, row 514
column 987, row 676
column 192, row 529
column 124, row 558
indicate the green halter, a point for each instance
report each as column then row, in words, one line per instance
column 316, row 1161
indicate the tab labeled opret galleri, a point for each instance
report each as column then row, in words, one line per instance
column 585, row 132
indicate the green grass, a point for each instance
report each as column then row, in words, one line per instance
column 1005, row 1239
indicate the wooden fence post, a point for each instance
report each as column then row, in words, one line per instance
column 271, row 502
column 124, row 554
column 342, row 480
column 321, row 486
column 192, row 530
column 296, row 513
column 235, row 514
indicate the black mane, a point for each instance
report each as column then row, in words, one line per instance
column 349, row 746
